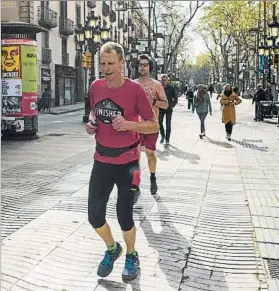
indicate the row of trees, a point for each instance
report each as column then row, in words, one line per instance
column 232, row 30
column 227, row 29
column 171, row 18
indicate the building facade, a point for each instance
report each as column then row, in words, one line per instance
column 59, row 62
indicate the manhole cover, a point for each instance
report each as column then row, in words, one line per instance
column 273, row 268
column 252, row 140
column 55, row 134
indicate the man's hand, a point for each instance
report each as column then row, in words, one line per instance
column 119, row 123
column 90, row 129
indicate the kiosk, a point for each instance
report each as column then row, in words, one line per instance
column 19, row 76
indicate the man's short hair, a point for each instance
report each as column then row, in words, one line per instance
column 111, row 46
column 164, row 76
column 145, row 57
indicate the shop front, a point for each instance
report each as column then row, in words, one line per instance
column 65, row 85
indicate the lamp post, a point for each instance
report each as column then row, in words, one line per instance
column 90, row 37
column 243, row 80
column 134, row 57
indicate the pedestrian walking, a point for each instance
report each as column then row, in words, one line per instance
column 116, row 104
column 190, row 97
column 172, row 100
column 202, row 104
column 158, row 99
column 259, row 96
column 229, row 100
column 211, row 90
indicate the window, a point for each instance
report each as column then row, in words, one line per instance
column 63, row 9
column 45, row 39
column 44, row 4
column 64, row 45
column 78, row 14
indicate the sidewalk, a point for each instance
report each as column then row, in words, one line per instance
column 213, row 225
column 65, row 109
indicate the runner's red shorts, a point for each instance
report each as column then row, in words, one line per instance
column 149, row 140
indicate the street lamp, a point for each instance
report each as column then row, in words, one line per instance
column 243, row 80
column 261, row 50
column 274, row 25
column 105, row 32
column 91, row 36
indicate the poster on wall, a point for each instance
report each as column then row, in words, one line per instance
column 29, row 104
column 29, row 68
column 11, row 105
column 11, row 87
column 10, row 60
column 12, row 124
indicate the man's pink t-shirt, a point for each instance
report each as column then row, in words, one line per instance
column 131, row 102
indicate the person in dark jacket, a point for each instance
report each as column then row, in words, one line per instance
column 190, row 97
column 259, row 96
column 46, row 99
column 172, row 100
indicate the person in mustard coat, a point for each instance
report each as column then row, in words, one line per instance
column 229, row 100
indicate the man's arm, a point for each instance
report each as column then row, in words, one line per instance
column 145, row 127
column 174, row 98
column 163, row 101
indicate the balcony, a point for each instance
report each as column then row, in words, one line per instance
column 120, row 23
column 47, row 18
column 65, row 59
column 105, row 9
column 46, row 56
column 66, row 26
column 112, row 16
column 91, row 4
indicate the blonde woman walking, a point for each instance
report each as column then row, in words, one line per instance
column 229, row 100
column 202, row 104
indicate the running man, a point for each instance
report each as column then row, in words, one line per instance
column 116, row 105
column 158, row 99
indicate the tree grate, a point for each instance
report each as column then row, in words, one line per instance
column 273, row 268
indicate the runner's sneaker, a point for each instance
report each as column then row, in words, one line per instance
column 131, row 269
column 136, row 192
column 153, row 186
column 106, row 265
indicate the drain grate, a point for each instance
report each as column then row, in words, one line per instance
column 273, row 268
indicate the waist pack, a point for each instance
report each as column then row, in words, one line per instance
column 114, row 152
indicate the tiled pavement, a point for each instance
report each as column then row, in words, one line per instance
column 212, row 226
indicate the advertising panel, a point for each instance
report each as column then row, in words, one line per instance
column 11, row 87
column 19, row 86
column 29, row 104
column 10, row 60
column 29, row 68
column 12, row 124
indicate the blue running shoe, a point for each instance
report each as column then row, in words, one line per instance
column 131, row 269
column 106, row 265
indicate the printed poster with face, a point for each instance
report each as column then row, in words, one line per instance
column 10, row 60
